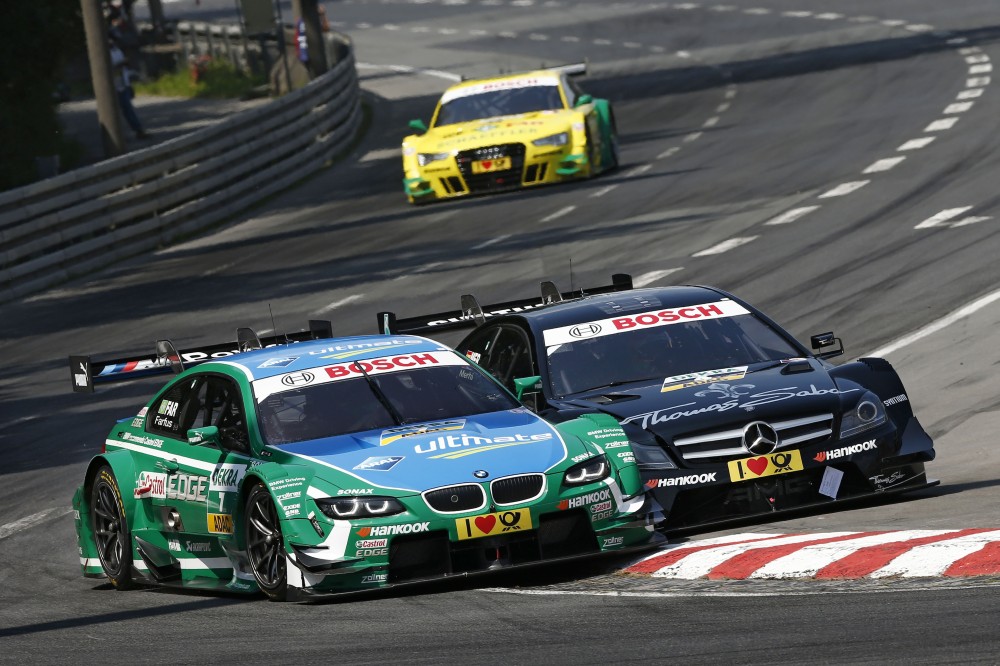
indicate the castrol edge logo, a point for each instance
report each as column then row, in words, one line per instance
column 337, row 371
column 651, row 318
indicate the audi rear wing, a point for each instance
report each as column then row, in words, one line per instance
column 85, row 372
column 472, row 314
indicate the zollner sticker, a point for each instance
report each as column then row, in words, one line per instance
column 650, row 319
column 703, row 377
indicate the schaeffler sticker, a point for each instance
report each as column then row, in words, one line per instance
column 651, row 319
column 394, row 434
column 703, row 377
column 351, row 369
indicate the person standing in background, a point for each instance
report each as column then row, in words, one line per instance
column 123, row 86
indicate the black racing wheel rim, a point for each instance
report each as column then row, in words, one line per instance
column 109, row 532
column 264, row 543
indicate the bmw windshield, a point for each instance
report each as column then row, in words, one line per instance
column 361, row 402
column 663, row 346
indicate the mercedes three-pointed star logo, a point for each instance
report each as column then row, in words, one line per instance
column 760, row 438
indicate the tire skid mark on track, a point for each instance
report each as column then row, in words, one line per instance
column 32, row 520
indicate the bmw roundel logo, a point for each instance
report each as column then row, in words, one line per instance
column 585, row 330
column 480, row 474
column 297, row 379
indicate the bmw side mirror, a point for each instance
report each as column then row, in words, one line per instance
column 522, row 384
column 826, row 341
column 583, row 99
column 418, row 125
column 207, row 436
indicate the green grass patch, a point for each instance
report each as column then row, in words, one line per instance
column 215, row 79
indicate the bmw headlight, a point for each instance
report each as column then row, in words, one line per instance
column 423, row 159
column 340, row 508
column 588, row 471
column 560, row 139
column 869, row 413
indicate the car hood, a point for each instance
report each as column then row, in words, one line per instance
column 669, row 408
column 439, row 453
column 491, row 131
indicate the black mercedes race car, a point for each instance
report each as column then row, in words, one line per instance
column 728, row 415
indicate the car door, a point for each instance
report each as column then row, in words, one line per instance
column 202, row 480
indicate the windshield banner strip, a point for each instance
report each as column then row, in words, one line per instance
column 649, row 319
column 505, row 84
column 263, row 388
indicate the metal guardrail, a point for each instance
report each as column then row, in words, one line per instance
column 81, row 220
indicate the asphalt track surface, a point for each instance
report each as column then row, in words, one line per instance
column 732, row 116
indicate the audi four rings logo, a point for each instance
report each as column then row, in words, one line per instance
column 298, row 379
column 759, row 438
column 585, row 330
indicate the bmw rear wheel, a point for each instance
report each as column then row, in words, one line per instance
column 265, row 546
column 111, row 532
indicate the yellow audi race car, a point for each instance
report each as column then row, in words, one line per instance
column 508, row 132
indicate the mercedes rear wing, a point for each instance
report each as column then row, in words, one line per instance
column 85, row 372
column 473, row 314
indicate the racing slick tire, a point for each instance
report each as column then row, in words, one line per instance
column 264, row 543
column 112, row 535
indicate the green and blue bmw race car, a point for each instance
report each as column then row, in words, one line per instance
column 321, row 466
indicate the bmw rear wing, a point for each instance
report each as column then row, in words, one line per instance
column 85, row 372
column 473, row 314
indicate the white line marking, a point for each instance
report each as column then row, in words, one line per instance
column 981, row 69
column 390, row 26
column 964, row 222
column 657, row 49
column 956, row 41
column 969, row 50
column 934, row 327
column 420, row 28
column 668, row 152
column 977, row 82
column 892, row 23
column 711, row 122
column 958, row 107
column 920, row 27
column 731, row 93
column 570, row 38
column 29, row 521
column 602, row 42
column 492, row 241
column 932, row 559
column 863, row 19
column 604, row 190
column 476, row 32
column 976, row 59
column 653, row 276
column 943, row 124
column 340, row 303
column 722, row 108
column 943, row 216
column 559, row 213
column 406, row 69
column 791, row 215
column 632, row 45
column 447, row 31
column 535, row 37
column 725, row 246
column 829, row 16
column 797, row 14
column 917, row 144
column 23, row 419
column 844, row 188
column 723, row 8
column 687, row 5
column 638, row 171
column 693, row 136
column 683, row 54
column 971, row 93
column 757, row 11
column 363, row 26
column 884, row 165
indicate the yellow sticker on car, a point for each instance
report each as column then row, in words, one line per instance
column 769, row 465
column 220, row 523
column 487, row 166
column 492, row 524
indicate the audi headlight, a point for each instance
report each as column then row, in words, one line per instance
column 560, row 139
column 423, row 159
column 869, row 413
column 340, row 508
column 593, row 469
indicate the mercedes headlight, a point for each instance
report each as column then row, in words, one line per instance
column 340, row 508
column 423, row 159
column 588, row 471
column 869, row 413
column 560, row 139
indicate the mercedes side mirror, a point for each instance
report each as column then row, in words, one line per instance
column 826, row 341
